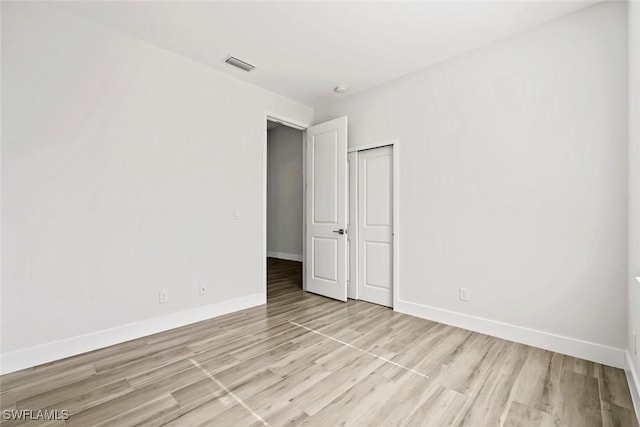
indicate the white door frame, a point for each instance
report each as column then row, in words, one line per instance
column 296, row 124
column 352, row 222
column 395, row 145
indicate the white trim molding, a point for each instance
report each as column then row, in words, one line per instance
column 560, row 344
column 284, row 255
column 634, row 383
column 56, row 350
column 369, row 146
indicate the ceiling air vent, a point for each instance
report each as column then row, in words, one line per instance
column 239, row 63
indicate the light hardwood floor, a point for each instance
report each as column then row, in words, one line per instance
column 306, row 360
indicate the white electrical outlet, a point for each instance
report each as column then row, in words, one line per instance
column 202, row 289
column 465, row 294
column 163, row 296
column 236, row 214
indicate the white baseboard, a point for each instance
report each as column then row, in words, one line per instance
column 33, row 356
column 634, row 383
column 284, row 255
column 560, row 344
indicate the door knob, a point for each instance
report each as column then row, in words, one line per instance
column 341, row 231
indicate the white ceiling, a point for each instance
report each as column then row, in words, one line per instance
column 302, row 50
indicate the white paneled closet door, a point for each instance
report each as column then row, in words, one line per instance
column 375, row 225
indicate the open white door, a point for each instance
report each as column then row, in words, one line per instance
column 326, row 240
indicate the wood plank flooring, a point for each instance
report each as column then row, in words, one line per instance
column 306, row 360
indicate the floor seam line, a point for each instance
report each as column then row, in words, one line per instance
column 384, row 359
column 229, row 392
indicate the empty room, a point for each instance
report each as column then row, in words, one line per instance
column 385, row 213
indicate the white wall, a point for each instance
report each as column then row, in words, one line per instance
column 513, row 183
column 284, row 193
column 634, row 190
column 121, row 168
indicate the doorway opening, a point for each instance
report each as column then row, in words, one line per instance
column 330, row 211
column 284, row 206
